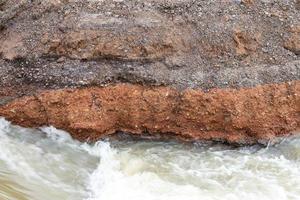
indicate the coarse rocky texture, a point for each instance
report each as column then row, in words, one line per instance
column 241, row 116
column 293, row 42
column 207, row 48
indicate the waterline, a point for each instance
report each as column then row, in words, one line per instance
column 49, row 164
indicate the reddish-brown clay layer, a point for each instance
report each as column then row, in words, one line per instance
column 243, row 116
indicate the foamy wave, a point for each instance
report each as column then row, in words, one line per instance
column 50, row 165
column 56, row 134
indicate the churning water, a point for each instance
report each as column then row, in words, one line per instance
column 47, row 164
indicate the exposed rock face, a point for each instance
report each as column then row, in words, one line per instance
column 231, row 68
column 145, row 36
column 241, row 116
column 293, row 41
column 245, row 42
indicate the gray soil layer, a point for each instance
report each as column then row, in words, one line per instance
column 51, row 44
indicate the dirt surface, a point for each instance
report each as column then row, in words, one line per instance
column 243, row 116
column 178, row 45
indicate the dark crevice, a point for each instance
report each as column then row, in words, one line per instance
column 294, row 51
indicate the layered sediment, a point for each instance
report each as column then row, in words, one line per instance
column 237, row 116
column 221, row 70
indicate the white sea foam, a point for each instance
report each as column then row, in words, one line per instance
column 48, row 164
column 221, row 174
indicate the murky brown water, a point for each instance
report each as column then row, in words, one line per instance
column 47, row 164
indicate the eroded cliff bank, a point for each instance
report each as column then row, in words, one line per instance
column 221, row 70
column 236, row 116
